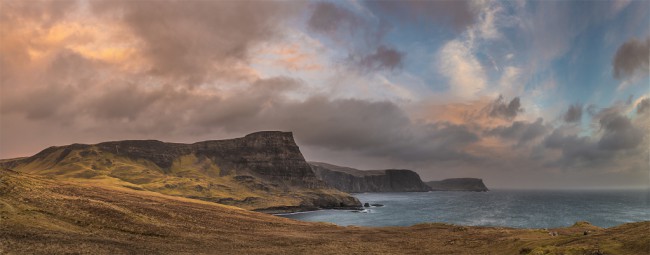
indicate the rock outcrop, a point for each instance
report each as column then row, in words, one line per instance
column 258, row 171
column 356, row 181
column 458, row 184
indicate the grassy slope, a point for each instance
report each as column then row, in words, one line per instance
column 189, row 176
column 38, row 215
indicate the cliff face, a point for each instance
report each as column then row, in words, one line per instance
column 356, row 181
column 458, row 184
column 258, row 171
column 269, row 155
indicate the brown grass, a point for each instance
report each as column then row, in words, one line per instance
column 38, row 215
column 188, row 176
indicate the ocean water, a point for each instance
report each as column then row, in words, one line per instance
column 508, row 208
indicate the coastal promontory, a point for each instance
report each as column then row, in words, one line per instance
column 356, row 181
column 260, row 171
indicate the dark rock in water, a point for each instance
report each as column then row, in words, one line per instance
column 458, row 184
column 377, row 205
column 366, row 205
column 357, row 181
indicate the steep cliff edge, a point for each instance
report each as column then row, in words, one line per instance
column 355, row 181
column 458, row 184
column 259, row 171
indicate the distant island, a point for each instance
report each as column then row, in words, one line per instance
column 458, row 184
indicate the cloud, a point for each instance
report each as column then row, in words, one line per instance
column 329, row 18
column 122, row 102
column 643, row 106
column 499, row 108
column 457, row 14
column 617, row 142
column 574, row 113
column 384, row 57
column 465, row 73
column 576, row 150
column 196, row 41
column 521, row 131
column 50, row 93
column 632, row 58
column 619, row 133
column 28, row 31
column 361, row 35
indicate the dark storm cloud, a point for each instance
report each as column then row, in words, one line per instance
column 457, row 14
column 245, row 110
column 192, row 41
column 619, row 133
column 521, row 131
column 619, row 137
column 169, row 109
column 123, row 102
column 329, row 18
column 499, row 108
column 643, row 106
column 384, row 57
column 631, row 58
column 575, row 149
column 362, row 36
column 42, row 103
column 574, row 113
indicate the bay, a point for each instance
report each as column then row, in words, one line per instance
column 507, row 208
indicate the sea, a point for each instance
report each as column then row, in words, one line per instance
column 505, row 208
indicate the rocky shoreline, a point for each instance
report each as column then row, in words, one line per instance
column 298, row 209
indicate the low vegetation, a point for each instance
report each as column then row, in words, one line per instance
column 40, row 215
column 188, row 176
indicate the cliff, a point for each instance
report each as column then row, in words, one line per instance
column 458, row 184
column 263, row 170
column 356, row 181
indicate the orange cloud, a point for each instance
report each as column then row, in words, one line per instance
column 475, row 112
column 291, row 56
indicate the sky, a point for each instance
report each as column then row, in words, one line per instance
column 523, row 94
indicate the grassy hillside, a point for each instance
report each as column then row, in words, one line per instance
column 40, row 215
column 189, row 175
